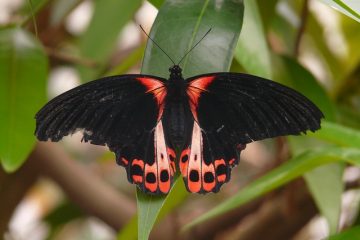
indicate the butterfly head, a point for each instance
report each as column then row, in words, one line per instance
column 175, row 71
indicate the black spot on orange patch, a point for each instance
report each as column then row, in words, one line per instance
column 221, row 169
column 209, row 177
column 164, row 176
column 194, row 176
column 185, row 158
column 150, row 177
column 136, row 170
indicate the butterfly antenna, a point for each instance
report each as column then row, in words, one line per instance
column 194, row 46
column 157, row 44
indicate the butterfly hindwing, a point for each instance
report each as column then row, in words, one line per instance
column 206, row 162
column 122, row 112
column 231, row 110
column 149, row 162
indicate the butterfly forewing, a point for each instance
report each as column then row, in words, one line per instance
column 122, row 112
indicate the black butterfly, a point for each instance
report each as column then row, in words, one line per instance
column 209, row 118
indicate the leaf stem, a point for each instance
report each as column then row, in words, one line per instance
column 303, row 21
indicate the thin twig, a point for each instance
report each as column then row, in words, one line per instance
column 33, row 18
column 303, row 21
column 83, row 188
column 70, row 58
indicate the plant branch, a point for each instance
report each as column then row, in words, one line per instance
column 62, row 56
column 83, row 188
column 303, row 21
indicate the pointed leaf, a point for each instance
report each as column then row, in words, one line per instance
column 352, row 233
column 285, row 173
column 350, row 8
column 328, row 199
column 252, row 51
column 98, row 41
column 178, row 26
column 23, row 73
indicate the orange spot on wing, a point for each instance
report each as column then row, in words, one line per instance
column 138, row 162
column 194, row 186
column 221, row 177
column 124, row 160
column 232, row 161
column 194, row 90
column 164, row 186
column 208, row 186
column 137, row 178
column 184, row 164
column 151, row 169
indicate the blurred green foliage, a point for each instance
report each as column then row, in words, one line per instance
column 277, row 39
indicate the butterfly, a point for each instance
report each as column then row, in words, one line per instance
column 196, row 126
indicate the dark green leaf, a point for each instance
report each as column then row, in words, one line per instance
column 156, row 3
column 23, row 73
column 252, row 51
column 98, row 41
column 328, row 199
column 177, row 28
column 352, row 233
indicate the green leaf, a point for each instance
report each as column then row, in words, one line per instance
column 148, row 209
column 348, row 7
column 156, row 3
column 177, row 195
column 61, row 215
column 338, row 134
column 267, row 11
column 252, row 51
column 328, row 199
column 153, row 208
column 129, row 231
column 178, row 26
column 285, row 173
column 99, row 39
column 23, row 73
column 352, row 233
column 60, row 9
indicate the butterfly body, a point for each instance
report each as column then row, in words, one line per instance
column 197, row 126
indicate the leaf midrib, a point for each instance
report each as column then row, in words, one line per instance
column 196, row 28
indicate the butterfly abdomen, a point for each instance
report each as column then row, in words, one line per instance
column 177, row 118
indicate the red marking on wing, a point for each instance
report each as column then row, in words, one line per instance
column 206, row 170
column 172, row 157
column 184, row 159
column 220, row 163
column 194, row 90
column 157, row 88
column 125, row 161
column 140, row 163
column 151, row 169
column 232, row 161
